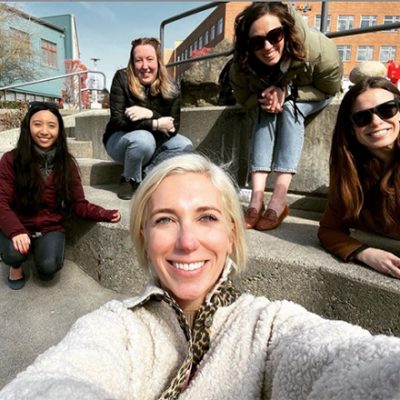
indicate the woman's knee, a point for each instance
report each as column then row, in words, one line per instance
column 13, row 258
column 47, row 267
column 142, row 142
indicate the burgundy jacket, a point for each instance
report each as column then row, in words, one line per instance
column 49, row 217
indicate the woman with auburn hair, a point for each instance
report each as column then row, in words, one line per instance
column 40, row 185
column 365, row 175
column 282, row 72
column 145, row 116
column 190, row 334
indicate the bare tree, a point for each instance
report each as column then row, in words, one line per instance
column 16, row 54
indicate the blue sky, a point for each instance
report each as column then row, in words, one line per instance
column 105, row 29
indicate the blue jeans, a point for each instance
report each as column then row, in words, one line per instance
column 138, row 151
column 278, row 138
column 47, row 250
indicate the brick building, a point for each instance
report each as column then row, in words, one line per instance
column 342, row 15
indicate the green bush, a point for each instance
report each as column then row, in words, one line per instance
column 10, row 104
column 13, row 116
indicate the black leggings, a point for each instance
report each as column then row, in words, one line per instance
column 47, row 250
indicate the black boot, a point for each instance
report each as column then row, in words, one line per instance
column 127, row 188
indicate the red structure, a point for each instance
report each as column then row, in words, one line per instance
column 393, row 72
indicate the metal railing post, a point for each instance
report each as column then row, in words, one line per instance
column 79, row 93
column 324, row 16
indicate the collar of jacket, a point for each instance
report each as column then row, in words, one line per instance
column 45, row 160
column 198, row 337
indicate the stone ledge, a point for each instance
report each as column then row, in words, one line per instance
column 287, row 263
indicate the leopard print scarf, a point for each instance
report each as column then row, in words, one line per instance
column 198, row 337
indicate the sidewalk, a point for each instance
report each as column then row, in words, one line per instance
column 39, row 315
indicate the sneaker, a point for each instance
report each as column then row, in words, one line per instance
column 127, row 188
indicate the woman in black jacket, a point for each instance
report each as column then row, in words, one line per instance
column 145, row 116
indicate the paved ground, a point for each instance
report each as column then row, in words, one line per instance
column 39, row 315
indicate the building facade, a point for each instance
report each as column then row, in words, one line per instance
column 51, row 40
column 342, row 15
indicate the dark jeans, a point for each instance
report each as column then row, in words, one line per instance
column 47, row 250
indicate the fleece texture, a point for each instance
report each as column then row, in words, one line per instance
column 259, row 350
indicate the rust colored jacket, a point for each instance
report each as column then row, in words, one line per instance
column 334, row 232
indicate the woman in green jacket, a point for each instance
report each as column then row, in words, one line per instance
column 283, row 71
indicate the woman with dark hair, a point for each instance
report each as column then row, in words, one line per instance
column 365, row 175
column 145, row 116
column 39, row 186
column 282, row 72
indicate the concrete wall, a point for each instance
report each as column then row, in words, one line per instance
column 223, row 133
column 287, row 263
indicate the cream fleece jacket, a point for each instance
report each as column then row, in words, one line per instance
column 259, row 349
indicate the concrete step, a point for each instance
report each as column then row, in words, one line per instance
column 80, row 148
column 39, row 315
column 286, row 263
column 99, row 172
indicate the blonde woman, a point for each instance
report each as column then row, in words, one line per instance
column 191, row 334
column 145, row 116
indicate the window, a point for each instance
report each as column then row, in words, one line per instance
column 206, row 37
column 367, row 20
column 49, row 53
column 212, row 33
column 317, row 23
column 344, row 52
column 195, row 45
column 220, row 25
column 364, row 53
column 190, row 50
column 391, row 19
column 21, row 36
column 200, row 41
column 345, row 22
column 387, row 53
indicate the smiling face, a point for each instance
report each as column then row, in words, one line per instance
column 187, row 237
column 44, row 129
column 145, row 63
column 270, row 54
column 380, row 134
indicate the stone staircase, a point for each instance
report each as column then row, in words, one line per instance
column 287, row 263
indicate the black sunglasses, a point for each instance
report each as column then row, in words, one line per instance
column 46, row 104
column 274, row 36
column 384, row 111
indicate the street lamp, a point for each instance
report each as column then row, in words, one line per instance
column 94, row 103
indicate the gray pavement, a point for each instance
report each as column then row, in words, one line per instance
column 39, row 315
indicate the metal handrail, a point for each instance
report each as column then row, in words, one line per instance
column 5, row 88
column 183, row 15
column 348, row 32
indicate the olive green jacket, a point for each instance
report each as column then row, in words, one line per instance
column 314, row 79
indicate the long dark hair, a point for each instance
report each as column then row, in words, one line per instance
column 294, row 46
column 28, row 179
column 356, row 175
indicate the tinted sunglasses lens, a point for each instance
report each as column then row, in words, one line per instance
column 275, row 36
column 362, row 118
column 384, row 111
column 387, row 110
column 256, row 43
